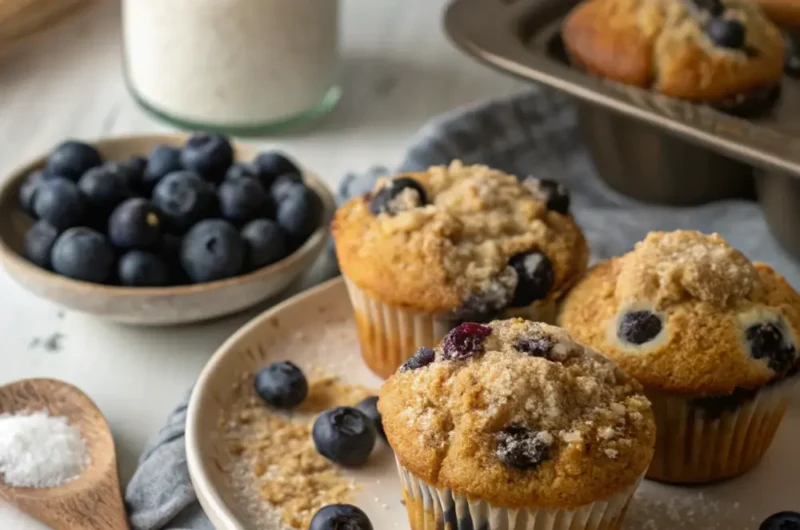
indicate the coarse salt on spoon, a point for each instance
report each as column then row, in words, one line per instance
column 91, row 500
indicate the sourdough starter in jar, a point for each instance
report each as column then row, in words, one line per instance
column 236, row 63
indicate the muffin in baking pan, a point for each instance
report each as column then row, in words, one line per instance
column 427, row 250
column 710, row 335
column 512, row 425
column 722, row 52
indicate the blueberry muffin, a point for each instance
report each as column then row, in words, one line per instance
column 710, row 335
column 722, row 52
column 512, row 425
column 425, row 251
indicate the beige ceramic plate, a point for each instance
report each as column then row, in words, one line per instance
column 151, row 306
column 316, row 327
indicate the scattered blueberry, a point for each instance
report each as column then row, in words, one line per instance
column 556, row 195
column 272, row 164
column 72, row 159
column 265, row 242
column 163, row 160
column 134, row 224
column 281, row 385
column 182, row 198
column 340, row 517
column 369, row 406
column 83, row 254
column 638, row 327
column 284, row 186
column 242, row 170
column 208, row 154
column 781, row 521
column 138, row 268
column 384, row 200
column 535, row 346
column 423, row 357
column 344, row 435
column 535, row 277
column 104, row 188
column 243, row 200
column 767, row 342
column 726, row 33
column 27, row 192
column 38, row 243
column 212, row 250
column 521, row 448
column 465, row 341
column 297, row 214
column 59, row 202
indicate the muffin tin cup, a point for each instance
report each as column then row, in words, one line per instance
column 694, row 449
column 389, row 334
column 430, row 508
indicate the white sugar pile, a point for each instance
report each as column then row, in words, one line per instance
column 40, row 451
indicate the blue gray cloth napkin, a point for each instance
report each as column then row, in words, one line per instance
column 533, row 133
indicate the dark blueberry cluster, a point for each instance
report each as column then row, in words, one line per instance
column 465, row 341
column 180, row 215
column 423, row 357
column 384, row 200
column 638, row 327
column 520, row 448
column 724, row 32
column 768, row 342
column 781, row 521
column 535, row 277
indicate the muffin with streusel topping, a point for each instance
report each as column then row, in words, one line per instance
column 425, row 251
column 512, row 425
column 710, row 335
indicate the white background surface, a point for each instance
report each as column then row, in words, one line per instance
column 399, row 70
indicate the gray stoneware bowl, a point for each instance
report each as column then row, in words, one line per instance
column 151, row 306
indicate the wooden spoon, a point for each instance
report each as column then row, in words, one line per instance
column 92, row 501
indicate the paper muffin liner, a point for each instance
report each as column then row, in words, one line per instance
column 389, row 334
column 430, row 508
column 694, row 446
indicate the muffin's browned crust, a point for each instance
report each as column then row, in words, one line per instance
column 434, row 257
column 785, row 13
column 706, row 295
column 443, row 420
column 662, row 44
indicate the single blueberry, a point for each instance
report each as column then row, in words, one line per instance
column 521, row 448
column 242, row 170
column 163, row 160
column 38, row 243
column 272, row 164
column 132, row 171
column 535, row 277
column 83, row 254
column 281, row 385
column 638, row 327
column 556, row 195
column 344, row 435
column 139, row 268
column 284, row 186
column 391, row 199
column 465, row 341
column 266, row 243
column 781, row 521
column 423, row 357
column 369, row 406
column 134, row 224
column 340, row 517
column 208, row 154
column 104, row 188
column 71, row 159
column 243, row 200
column 27, row 192
column 182, row 198
column 59, row 202
column 726, row 33
column 535, row 346
column 212, row 250
column 767, row 342
column 297, row 214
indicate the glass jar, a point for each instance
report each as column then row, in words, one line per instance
column 237, row 66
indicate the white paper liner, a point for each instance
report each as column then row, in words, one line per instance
column 693, row 448
column 439, row 506
column 390, row 334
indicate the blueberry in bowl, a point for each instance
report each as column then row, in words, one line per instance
column 208, row 154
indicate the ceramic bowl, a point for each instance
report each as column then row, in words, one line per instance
column 151, row 306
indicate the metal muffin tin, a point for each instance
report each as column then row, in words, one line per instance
column 648, row 146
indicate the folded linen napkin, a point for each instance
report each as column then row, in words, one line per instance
column 533, row 133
